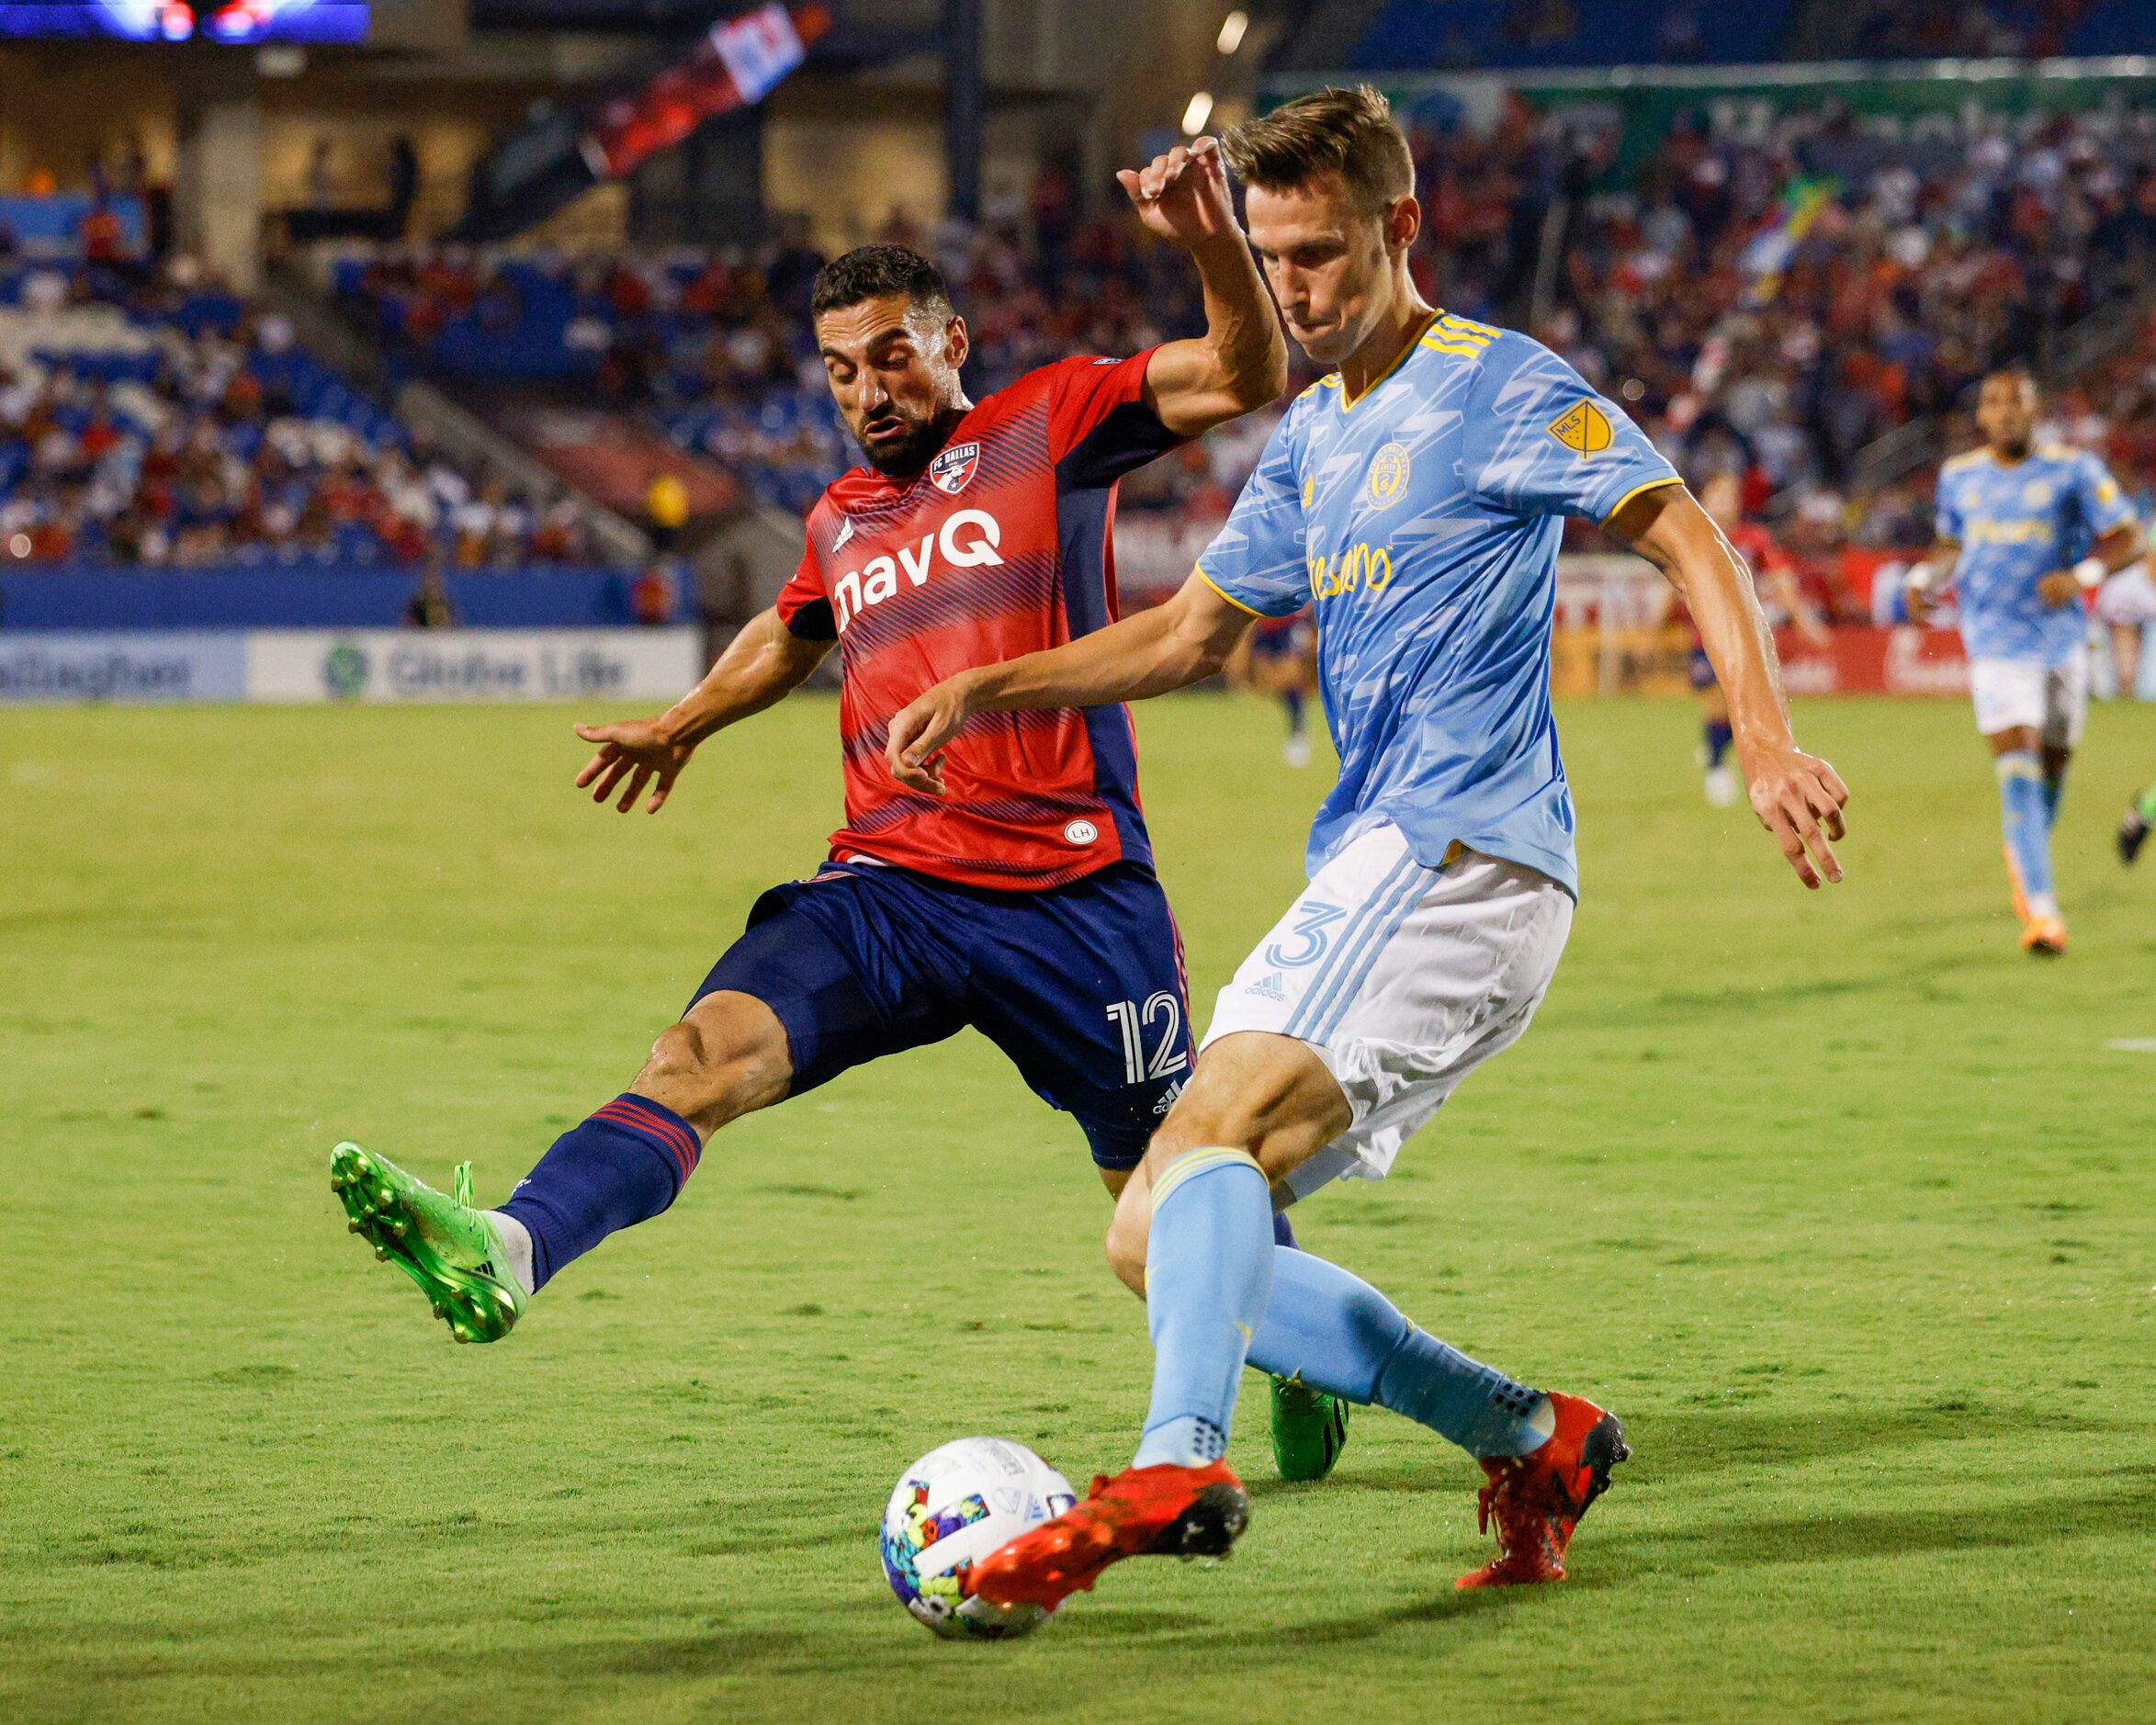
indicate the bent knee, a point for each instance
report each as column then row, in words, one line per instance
column 713, row 1073
column 1125, row 1246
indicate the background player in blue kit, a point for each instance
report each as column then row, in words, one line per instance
column 2024, row 530
column 1415, row 496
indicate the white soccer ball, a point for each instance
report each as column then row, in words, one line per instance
column 953, row 1507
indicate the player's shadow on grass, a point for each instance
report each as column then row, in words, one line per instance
column 1844, row 1534
column 1691, row 1443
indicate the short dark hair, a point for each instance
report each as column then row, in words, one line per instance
column 1348, row 132
column 880, row 271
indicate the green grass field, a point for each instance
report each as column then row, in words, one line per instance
column 1841, row 1201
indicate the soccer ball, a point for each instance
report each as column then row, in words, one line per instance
column 955, row 1505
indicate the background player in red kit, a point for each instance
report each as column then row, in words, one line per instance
column 1023, row 903
column 1776, row 578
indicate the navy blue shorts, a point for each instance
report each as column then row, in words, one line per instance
column 1082, row 986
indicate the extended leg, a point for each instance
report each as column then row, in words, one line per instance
column 624, row 1164
column 629, row 1162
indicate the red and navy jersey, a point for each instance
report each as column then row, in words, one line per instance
column 1002, row 546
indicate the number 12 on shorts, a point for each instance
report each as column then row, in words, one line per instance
column 1168, row 1056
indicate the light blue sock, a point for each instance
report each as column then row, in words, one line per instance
column 2028, row 828
column 1336, row 1333
column 1208, row 1274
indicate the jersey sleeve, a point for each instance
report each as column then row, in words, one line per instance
column 2103, row 507
column 1257, row 559
column 1099, row 425
column 803, row 604
column 1539, row 440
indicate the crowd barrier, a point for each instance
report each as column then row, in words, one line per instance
column 351, row 665
column 286, row 598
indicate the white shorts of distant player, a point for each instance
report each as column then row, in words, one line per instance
column 2052, row 700
column 1403, row 979
column 2128, row 600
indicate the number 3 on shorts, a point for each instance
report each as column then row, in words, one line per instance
column 1313, row 929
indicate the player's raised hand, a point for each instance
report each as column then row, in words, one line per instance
column 919, row 732
column 633, row 754
column 1798, row 799
column 1183, row 195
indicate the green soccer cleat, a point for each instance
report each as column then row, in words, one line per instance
column 442, row 1243
column 1309, row 1429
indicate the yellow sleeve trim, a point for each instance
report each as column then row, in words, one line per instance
column 1652, row 485
column 1199, row 571
column 1468, row 326
column 1466, row 349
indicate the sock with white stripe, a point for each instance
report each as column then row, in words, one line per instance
column 1209, row 1259
column 1336, row 1333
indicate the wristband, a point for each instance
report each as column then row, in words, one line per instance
column 2091, row 572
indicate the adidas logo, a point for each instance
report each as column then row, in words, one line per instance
column 845, row 533
column 1269, row 988
column 1166, row 1100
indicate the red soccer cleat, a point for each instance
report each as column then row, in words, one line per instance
column 1537, row 1500
column 1163, row 1511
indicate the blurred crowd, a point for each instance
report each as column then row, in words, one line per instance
column 1768, row 297
column 1769, row 301
column 209, row 438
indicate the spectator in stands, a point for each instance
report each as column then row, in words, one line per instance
column 431, row 605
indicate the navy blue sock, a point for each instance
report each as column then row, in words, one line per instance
column 1283, row 1231
column 623, row 1165
column 1719, row 737
column 1293, row 700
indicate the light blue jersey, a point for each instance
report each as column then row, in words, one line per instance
column 2015, row 525
column 1423, row 518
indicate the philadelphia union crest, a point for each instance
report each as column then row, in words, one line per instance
column 951, row 471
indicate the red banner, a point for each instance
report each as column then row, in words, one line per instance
column 1875, row 661
column 734, row 64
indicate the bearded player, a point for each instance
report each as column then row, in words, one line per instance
column 2026, row 528
column 1416, row 494
column 1024, row 903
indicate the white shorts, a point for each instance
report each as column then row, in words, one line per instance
column 2051, row 699
column 1403, row 979
column 2128, row 600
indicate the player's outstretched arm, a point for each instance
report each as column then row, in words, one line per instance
column 761, row 667
column 1171, row 647
column 1798, row 798
column 1241, row 361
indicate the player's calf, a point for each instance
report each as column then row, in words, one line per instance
column 624, row 1165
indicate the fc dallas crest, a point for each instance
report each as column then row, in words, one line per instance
column 949, row 471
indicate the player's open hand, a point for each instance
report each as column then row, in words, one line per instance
column 919, row 732
column 1798, row 799
column 1183, row 195
column 633, row 754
